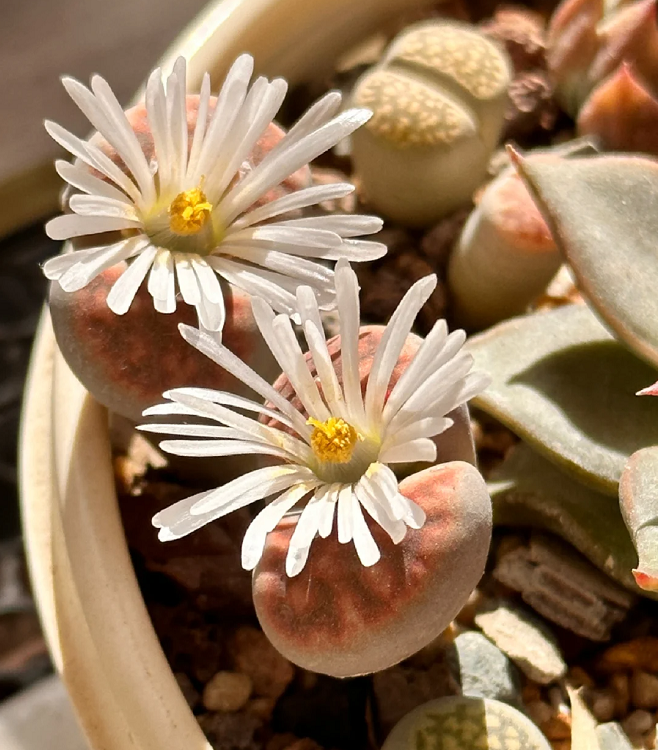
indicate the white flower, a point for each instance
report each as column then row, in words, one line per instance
column 184, row 216
column 335, row 454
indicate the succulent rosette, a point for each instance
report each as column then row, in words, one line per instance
column 334, row 442
column 187, row 205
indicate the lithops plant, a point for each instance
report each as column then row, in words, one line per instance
column 464, row 723
column 438, row 97
column 566, row 382
column 183, row 191
column 332, row 437
column 589, row 39
column 504, row 258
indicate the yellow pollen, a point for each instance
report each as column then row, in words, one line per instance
column 189, row 211
column 333, row 440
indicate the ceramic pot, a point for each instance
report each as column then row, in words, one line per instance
column 98, row 630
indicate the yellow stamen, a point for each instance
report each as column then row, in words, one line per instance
column 333, row 440
column 189, row 211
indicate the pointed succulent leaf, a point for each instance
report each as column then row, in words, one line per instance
column 583, row 724
column 638, row 494
column 602, row 213
column 564, row 384
column 527, row 490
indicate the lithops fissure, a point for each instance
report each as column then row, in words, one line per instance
column 438, row 97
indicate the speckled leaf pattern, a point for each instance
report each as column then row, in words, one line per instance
column 638, row 493
column 602, row 212
column 562, row 382
column 527, row 490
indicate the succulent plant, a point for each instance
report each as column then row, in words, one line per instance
column 622, row 113
column 589, row 39
column 438, row 97
column 465, row 722
column 505, row 255
column 565, row 382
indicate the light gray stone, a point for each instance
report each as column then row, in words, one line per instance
column 525, row 640
column 485, row 671
column 612, row 737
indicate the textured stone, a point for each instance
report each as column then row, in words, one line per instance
column 564, row 587
column 523, row 638
column 644, row 690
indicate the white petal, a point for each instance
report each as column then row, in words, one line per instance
column 191, row 430
column 303, row 536
column 126, row 286
column 207, row 448
column 230, row 399
column 347, row 295
column 266, row 521
column 258, row 283
column 100, row 205
column 272, row 171
column 200, row 127
column 395, row 529
column 177, row 118
column 293, row 201
column 90, row 266
column 302, row 236
column 208, row 281
column 123, row 138
column 232, row 364
column 260, row 108
column 348, row 225
column 162, row 281
column 345, row 515
column 251, row 487
column 71, row 225
column 95, row 158
column 53, row 268
column 249, row 428
column 329, row 503
column 424, row 427
column 331, row 390
column 365, row 545
column 228, row 106
column 391, row 344
column 82, row 179
column 298, row 268
column 420, row 449
column 187, row 280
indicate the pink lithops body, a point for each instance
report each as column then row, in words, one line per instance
column 342, row 619
column 126, row 362
column 504, row 258
column 622, row 113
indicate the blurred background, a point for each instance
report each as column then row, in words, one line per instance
column 40, row 40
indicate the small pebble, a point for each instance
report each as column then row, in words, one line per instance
column 640, row 653
column 557, row 727
column 638, row 723
column 620, row 687
column 227, row 691
column 255, row 656
column 263, row 708
column 527, row 642
column 644, row 689
column 603, row 704
column 578, row 677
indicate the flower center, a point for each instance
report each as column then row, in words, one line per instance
column 333, row 440
column 189, row 212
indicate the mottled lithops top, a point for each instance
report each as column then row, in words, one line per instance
column 454, row 53
column 410, row 112
column 434, row 85
column 462, row 723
